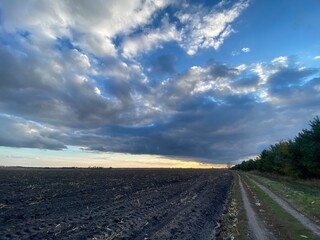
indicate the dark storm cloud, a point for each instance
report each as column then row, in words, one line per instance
column 207, row 131
column 105, row 105
column 52, row 96
column 296, row 96
column 12, row 64
column 218, row 70
column 69, row 76
column 16, row 132
column 164, row 64
column 294, row 87
column 217, row 126
column 34, row 89
column 245, row 82
column 287, row 77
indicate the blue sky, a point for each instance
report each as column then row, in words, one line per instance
column 169, row 83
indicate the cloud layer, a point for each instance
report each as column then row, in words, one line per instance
column 72, row 74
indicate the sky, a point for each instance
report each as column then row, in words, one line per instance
column 154, row 83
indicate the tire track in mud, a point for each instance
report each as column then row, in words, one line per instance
column 286, row 206
column 198, row 219
column 256, row 229
column 74, row 222
column 144, row 221
column 169, row 210
column 151, row 205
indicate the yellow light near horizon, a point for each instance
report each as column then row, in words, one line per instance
column 74, row 157
column 143, row 161
column 118, row 160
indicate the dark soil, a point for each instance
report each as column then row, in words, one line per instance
column 111, row 204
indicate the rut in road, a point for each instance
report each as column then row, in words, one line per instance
column 297, row 215
column 257, row 230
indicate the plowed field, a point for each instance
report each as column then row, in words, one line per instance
column 111, row 203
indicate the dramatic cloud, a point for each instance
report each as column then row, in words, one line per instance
column 164, row 64
column 89, row 26
column 210, row 110
column 124, row 76
column 149, row 40
column 53, row 92
column 15, row 132
column 211, row 29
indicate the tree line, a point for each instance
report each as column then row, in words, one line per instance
column 298, row 158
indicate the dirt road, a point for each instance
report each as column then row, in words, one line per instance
column 256, row 227
column 284, row 204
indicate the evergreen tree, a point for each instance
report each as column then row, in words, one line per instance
column 299, row 158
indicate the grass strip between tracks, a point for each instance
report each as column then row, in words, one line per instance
column 303, row 197
column 286, row 226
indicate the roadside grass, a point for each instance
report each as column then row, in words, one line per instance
column 286, row 224
column 234, row 222
column 302, row 195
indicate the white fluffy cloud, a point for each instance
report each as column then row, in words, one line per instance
column 93, row 27
column 282, row 60
column 74, row 66
column 208, row 29
column 89, row 25
column 201, row 28
column 206, row 109
column 152, row 39
column 245, row 49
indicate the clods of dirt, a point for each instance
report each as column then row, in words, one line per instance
column 112, row 204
